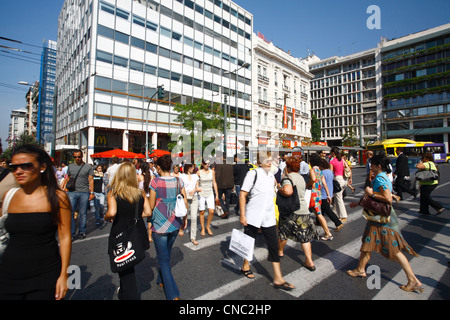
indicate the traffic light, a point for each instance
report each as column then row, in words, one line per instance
column 160, row 93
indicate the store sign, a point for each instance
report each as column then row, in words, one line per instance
column 101, row 140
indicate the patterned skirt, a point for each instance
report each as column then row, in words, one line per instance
column 299, row 228
column 385, row 239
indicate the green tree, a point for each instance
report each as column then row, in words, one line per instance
column 350, row 139
column 315, row 128
column 210, row 115
column 23, row 138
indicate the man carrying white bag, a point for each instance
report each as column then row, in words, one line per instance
column 258, row 212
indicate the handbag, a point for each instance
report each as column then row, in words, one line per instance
column 288, row 204
column 336, row 186
column 127, row 248
column 375, row 211
column 4, row 235
column 347, row 172
column 180, row 206
column 70, row 185
column 427, row 175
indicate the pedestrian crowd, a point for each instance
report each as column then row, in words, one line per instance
column 280, row 198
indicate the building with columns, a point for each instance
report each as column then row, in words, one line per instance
column 113, row 54
column 281, row 96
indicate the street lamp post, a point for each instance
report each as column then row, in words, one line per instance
column 159, row 89
column 245, row 65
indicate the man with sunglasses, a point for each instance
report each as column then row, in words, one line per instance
column 83, row 193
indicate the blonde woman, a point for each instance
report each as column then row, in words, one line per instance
column 123, row 196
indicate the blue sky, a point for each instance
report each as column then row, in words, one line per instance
column 327, row 27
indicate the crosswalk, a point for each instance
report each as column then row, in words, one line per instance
column 340, row 254
column 430, row 266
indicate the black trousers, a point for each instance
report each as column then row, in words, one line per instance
column 225, row 205
column 326, row 209
column 401, row 186
column 128, row 286
column 270, row 235
column 426, row 200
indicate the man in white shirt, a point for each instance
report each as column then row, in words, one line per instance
column 259, row 213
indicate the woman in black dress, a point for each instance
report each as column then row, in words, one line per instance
column 33, row 265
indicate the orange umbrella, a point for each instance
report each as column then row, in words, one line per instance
column 159, row 153
column 119, row 153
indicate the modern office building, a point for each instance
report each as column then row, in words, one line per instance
column 113, row 54
column 343, row 97
column 281, row 106
column 416, row 86
column 44, row 130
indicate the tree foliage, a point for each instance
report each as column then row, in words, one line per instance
column 211, row 116
column 315, row 128
column 23, row 138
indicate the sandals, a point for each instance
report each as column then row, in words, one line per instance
column 326, row 238
column 248, row 273
column 194, row 242
column 284, row 286
column 355, row 274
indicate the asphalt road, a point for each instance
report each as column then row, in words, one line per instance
column 210, row 271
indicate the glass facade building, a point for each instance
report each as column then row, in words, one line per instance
column 416, row 86
column 46, row 92
column 114, row 54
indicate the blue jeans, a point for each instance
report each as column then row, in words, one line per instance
column 99, row 202
column 80, row 199
column 163, row 245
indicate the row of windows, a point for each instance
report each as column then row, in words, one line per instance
column 417, row 47
column 138, row 43
column 137, row 91
column 417, row 73
column 422, row 85
column 419, row 112
column 168, row 12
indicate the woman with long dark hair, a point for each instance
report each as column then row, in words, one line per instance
column 33, row 265
column 384, row 238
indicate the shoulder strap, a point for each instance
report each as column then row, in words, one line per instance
column 8, row 197
column 79, row 171
column 254, row 181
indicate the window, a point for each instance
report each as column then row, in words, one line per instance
column 102, row 108
column 136, row 65
column 135, row 42
column 122, row 62
column 122, row 14
column 165, row 32
column 149, row 69
column 139, row 21
column 107, row 7
column 150, row 47
column 106, row 32
column 104, row 56
column 151, row 26
column 122, row 37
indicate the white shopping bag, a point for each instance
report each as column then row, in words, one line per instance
column 242, row 244
column 307, row 196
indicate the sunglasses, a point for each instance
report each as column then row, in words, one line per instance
column 77, row 157
column 27, row 166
